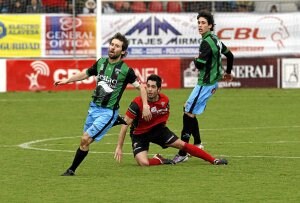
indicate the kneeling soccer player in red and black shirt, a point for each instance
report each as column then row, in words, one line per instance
column 155, row 131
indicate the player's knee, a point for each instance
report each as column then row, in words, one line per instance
column 85, row 141
column 189, row 114
column 142, row 162
column 179, row 144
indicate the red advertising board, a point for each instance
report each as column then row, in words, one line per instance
column 167, row 69
column 39, row 75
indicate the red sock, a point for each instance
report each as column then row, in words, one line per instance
column 197, row 152
column 154, row 161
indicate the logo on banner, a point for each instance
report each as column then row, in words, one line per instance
column 39, row 68
column 2, row 30
column 291, row 73
column 152, row 27
column 294, row 74
column 67, row 23
column 145, row 72
column 67, row 35
column 278, row 30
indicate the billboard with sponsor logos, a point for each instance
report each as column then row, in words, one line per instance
column 39, row 75
column 247, row 72
column 163, row 35
column 20, row 36
column 64, row 40
column 261, row 34
column 176, row 35
column 58, row 35
column 153, row 35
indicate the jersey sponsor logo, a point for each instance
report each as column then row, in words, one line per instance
column 117, row 71
column 156, row 111
column 153, row 109
column 110, row 82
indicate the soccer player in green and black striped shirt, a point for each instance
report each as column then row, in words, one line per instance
column 209, row 64
column 113, row 75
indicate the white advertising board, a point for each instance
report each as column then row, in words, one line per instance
column 176, row 35
column 2, row 75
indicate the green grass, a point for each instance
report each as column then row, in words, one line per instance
column 258, row 130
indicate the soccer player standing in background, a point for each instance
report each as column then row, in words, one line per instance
column 209, row 64
column 113, row 75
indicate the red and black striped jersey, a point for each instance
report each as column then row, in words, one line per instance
column 159, row 111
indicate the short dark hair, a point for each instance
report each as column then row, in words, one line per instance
column 208, row 16
column 156, row 78
column 123, row 39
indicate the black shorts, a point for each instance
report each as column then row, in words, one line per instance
column 160, row 135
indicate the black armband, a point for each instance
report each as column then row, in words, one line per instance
column 199, row 64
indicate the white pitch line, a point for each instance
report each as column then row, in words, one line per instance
column 275, row 157
column 268, row 142
column 251, row 128
column 27, row 145
column 38, row 100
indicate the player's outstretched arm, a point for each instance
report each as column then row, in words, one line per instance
column 119, row 149
column 77, row 77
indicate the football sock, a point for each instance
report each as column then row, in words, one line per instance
column 186, row 140
column 196, row 132
column 197, row 152
column 79, row 156
column 186, row 131
column 153, row 162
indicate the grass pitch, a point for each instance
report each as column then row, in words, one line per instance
column 257, row 130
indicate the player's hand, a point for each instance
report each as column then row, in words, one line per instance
column 227, row 77
column 61, row 82
column 118, row 154
column 147, row 116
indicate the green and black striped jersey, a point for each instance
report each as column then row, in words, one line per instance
column 112, row 79
column 209, row 61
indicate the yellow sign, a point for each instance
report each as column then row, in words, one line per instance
column 20, row 36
